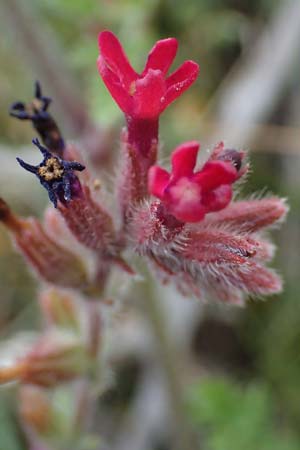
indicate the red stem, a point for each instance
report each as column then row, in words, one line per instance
column 142, row 134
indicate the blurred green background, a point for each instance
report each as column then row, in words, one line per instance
column 248, row 93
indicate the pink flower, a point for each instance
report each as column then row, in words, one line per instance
column 189, row 195
column 144, row 95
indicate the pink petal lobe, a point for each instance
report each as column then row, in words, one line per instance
column 162, row 55
column 218, row 199
column 158, row 179
column 113, row 55
column 184, row 159
column 189, row 70
column 183, row 200
column 112, row 82
column 190, row 213
column 148, row 93
column 180, row 80
column 214, row 174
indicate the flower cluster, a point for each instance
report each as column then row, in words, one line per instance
column 183, row 222
column 193, row 232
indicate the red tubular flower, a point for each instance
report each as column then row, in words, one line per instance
column 189, row 195
column 145, row 95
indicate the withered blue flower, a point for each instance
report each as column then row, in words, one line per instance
column 37, row 112
column 56, row 175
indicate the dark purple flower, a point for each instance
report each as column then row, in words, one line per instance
column 42, row 121
column 56, row 175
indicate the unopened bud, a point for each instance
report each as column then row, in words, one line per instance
column 54, row 358
column 91, row 225
column 232, row 156
column 50, row 260
column 235, row 157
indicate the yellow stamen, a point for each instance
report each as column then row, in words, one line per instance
column 52, row 170
column 132, row 88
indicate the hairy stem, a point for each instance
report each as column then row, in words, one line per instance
column 142, row 134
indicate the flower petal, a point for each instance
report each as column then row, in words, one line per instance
column 147, row 95
column 161, row 55
column 184, row 159
column 217, row 199
column 188, row 212
column 214, row 174
column 158, row 178
column 112, row 82
column 184, row 200
column 113, row 55
column 180, row 80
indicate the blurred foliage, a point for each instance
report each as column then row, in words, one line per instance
column 234, row 417
column 17, row 290
column 11, row 437
column 271, row 330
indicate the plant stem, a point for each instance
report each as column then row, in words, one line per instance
column 168, row 358
column 142, row 133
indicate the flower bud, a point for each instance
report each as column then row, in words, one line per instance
column 55, row 357
column 252, row 215
column 49, row 259
column 90, row 223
